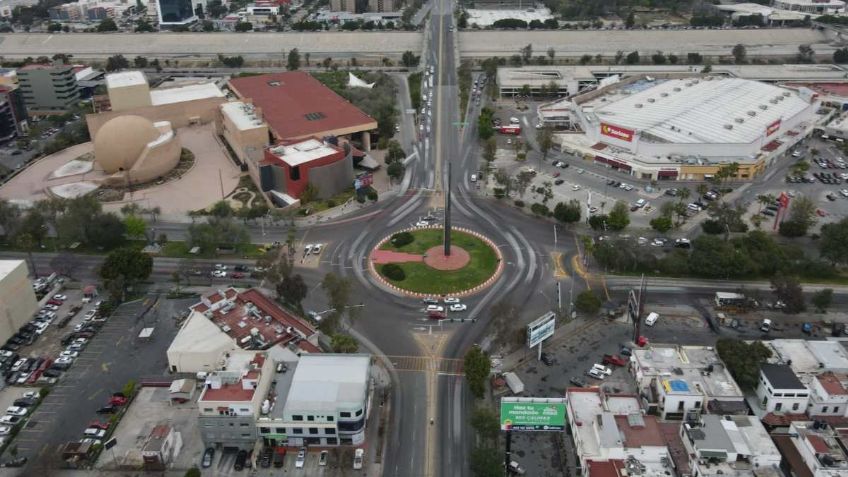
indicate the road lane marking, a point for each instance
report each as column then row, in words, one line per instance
column 559, row 269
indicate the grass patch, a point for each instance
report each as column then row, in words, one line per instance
column 464, row 87
column 336, row 200
column 423, row 279
column 414, row 81
column 181, row 250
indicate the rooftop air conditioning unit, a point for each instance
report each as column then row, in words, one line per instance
column 773, row 101
column 664, row 95
column 763, row 107
column 728, row 126
column 652, row 100
column 637, row 105
column 752, row 113
column 739, row 120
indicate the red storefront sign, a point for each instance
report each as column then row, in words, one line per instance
column 617, row 132
column 772, row 128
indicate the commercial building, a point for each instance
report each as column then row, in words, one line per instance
column 780, row 390
column 13, row 117
column 730, row 445
column 163, row 445
column 673, row 127
column 682, row 382
column 243, row 128
column 48, row 89
column 343, row 6
column 17, row 299
column 232, row 398
column 180, row 103
column 324, row 401
column 133, row 149
column 232, row 319
column 174, row 13
column 812, row 7
column 813, row 449
column 90, row 11
column 613, row 427
column 809, row 357
column 295, row 105
column 290, row 166
column 385, row 5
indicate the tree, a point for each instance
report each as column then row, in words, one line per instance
column 834, row 242
column 28, row 243
column 545, row 138
column 106, row 25
column 243, row 27
column 740, row 53
column 117, row 62
column 527, row 53
column 143, row 26
column 806, row 54
column 708, row 68
column 490, row 149
column 619, row 216
column 338, row 291
column 344, row 343
column 293, row 61
column 551, row 54
column 135, row 226
column 140, row 62
column 221, row 209
column 34, row 225
column 486, row 462
column 662, row 224
column 632, row 58
column 659, row 58
column 694, row 58
column 396, row 170
column 822, row 299
column 9, row 216
column 619, row 55
column 567, row 213
column 487, row 423
column 409, row 59
column 587, row 302
column 630, row 21
column 126, row 266
column 788, row 290
column 477, row 367
column 292, row 289
column 309, row 194
column 522, row 181
column 743, row 360
column 585, row 59
column 193, row 472
column 727, row 218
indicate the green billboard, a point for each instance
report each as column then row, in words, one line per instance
column 532, row 414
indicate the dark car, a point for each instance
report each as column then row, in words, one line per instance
column 265, row 458
column 208, row 457
column 19, row 462
column 547, row 359
column 51, row 373
column 25, row 402
column 625, row 351
column 580, row 383
column 240, row 268
column 558, row 181
column 108, row 409
column 241, row 458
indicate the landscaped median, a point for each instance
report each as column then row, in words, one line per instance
column 413, row 261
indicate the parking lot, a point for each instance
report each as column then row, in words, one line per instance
column 114, row 356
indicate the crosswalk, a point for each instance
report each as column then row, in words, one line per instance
column 425, row 363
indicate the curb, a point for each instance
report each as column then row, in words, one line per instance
column 400, row 291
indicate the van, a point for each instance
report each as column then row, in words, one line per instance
column 473, row 177
column 514, row 120
column 652, row 318
column 765, row 327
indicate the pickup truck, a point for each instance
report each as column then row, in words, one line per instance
column 516, row 468
column 614, row 360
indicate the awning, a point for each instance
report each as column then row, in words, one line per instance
column 369, row 163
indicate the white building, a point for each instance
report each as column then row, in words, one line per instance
column 324, row 401
column 780, row 390
column 609, row 428
column 813, row 7
column 810, row 357
column 17, row 299
column 814, row 449
column 828, row 395
column 681, row 382
column 729, row 445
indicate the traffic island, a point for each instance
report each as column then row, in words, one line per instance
column 413, row 262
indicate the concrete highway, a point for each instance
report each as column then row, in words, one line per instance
column 375, row 45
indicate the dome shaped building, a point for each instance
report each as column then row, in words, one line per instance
column 133, row 148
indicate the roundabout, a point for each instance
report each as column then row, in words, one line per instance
column 413, row 262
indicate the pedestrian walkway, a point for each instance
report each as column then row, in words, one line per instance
column 380, row 257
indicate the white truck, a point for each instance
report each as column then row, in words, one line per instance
column 514, row 383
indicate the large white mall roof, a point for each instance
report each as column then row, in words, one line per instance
column 125, row 78
column 693, row 110
column 190, row 92
column 324, row 382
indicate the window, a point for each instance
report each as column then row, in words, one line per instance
column 280, row 430
column 329, row 418
column 778, row 406
column 329, row 431
column 835, row 409
column 264, row 430
column 245, row 434
column 310, row 418
column 824, row 408
column 207, row 409
column 244, row 409
column 802, row 394
column 332, row 441
column 697, row 404
column 294, row 173
column 344, row 414
column 244, row 424
column 232, row 424
column 313, row 430
column 795, row 407
column 297, row 418
column 359, row 413
column 297, row 430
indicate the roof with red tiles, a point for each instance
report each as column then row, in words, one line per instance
column 819, row 445
column 160, row 431
column 832, row 384
column 647, row 433
column 609, row 468
column 671, row 435
column 274, row 310
column 228, row 393
column 295, row 104
column 793, row 457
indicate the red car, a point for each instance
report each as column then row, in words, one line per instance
column 642, row 342
column 614, row 359
column 819, row 212
column 117, row 401
column 237, row 275
column 54, row 302
column 99, row 425
column 437, row 315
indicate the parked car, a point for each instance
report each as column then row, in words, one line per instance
column 614, row 360
column 108, row 409
column 322, row 458
column 603, row 369
column 94, row 432
column 358, row 458
column 241, row 459
column 16, row 411
column 99, row 424
column 516, row 468
column 594, row 373
column 547, row 359
column 301, row 458
column 579, row 382
column 9, row 419
column 208, row 457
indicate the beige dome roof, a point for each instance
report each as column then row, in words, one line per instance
column 121, row 140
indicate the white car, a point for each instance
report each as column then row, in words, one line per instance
column 458, row 307
column 435, row 308
column 91, row 441
column 89, row 315
column 60, row 297
column 602, row 369
column 307, row 249
column 220, row 266
column 50, row 307
column 94, row 432
column 301, row 458
column 316, row 250
column 19, row 364
column 450, row 300
column 422, row 223
column 594, row 373
column 23, row 379
column 9, row 419
column 5, row 430
column 575, row 187
column 358, row 457
column 16, row 411
column 40, row 327
column 219, row 274
column 64, row 360
column 69, row 354
column 31, row 395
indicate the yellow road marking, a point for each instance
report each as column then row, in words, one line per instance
column 559, row 270
column 577, row 265
column 105, row 367
column 90, row 398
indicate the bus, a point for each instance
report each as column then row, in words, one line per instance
column 730, row 300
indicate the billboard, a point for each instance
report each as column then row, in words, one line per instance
column 617, row 132
column 516, row 130
column 541, row 329
column 363, row 180
column 532, row 414
column 772, row 128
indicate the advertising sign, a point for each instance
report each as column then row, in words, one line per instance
column 362, row 181
column 772, row 128
column 617, row 132
column 532, row 414
column 541, row 329
column 516, row 130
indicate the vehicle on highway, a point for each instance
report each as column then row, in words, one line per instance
column 430, row 301
column 765, row 326
column 358, row 458
column 435, row 308
column 238, row 275
column 208, row 457
column 437, row 315
column 558, row 181
column 682, row 243
column 219, row 274
column 458, row 307
column 473, row 178
column 450, row 299
column 301, row 458
column 220, row 266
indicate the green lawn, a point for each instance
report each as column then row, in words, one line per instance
column 423, row 279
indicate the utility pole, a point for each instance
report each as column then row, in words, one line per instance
column 447, row 215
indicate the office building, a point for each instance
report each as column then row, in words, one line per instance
column 17, row 298
column 48, row 89
column 173, row 13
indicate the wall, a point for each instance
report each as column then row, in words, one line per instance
column 333, row 178
column 129, row 97
column 17, row 299
column 178, row 114
column 793, row 405
column 154, row 162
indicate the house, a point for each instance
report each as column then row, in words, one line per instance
column 813, row 449
column 780, row 390
column 162, row 447
column 729, row 445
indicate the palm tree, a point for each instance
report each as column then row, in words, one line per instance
column 702, row 188
column 684, row 194
column 764, row 200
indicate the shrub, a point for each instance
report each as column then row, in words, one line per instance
column 392, row 271
column 331, row 203
column 402, row 238
column 500, row 193
column 372, row 195
column 519, row 203
column 540, row 209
